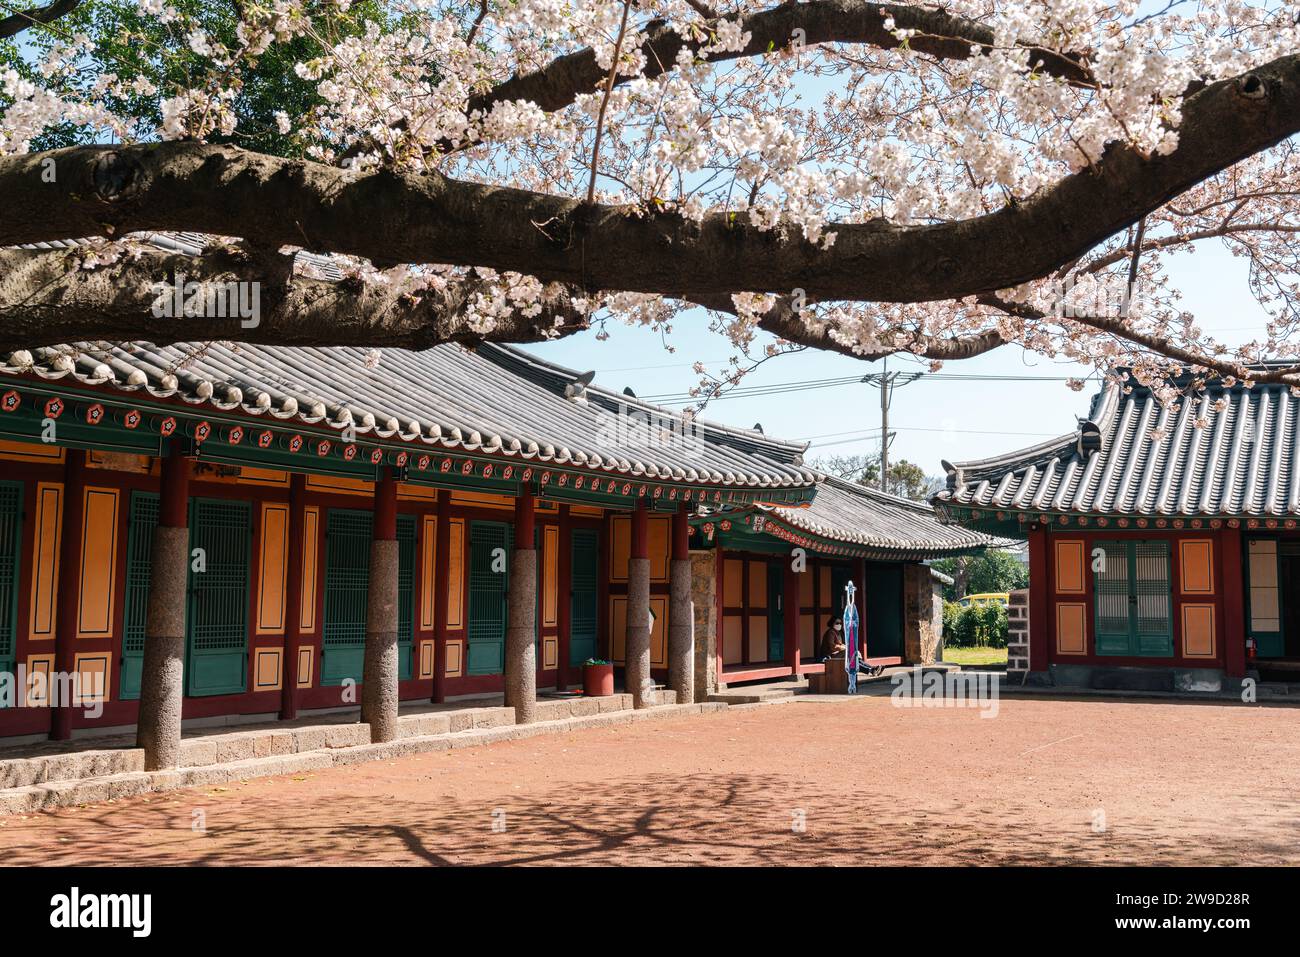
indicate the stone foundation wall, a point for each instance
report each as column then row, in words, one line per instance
column 704, row 606
column 922, row 616
column 1018, row 635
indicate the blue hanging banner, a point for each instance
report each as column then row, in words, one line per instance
column 851, row 653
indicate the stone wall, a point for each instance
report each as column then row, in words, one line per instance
column 922, row 615
column 1018, row 635
column 704, row 606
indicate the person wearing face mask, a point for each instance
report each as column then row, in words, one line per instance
column 832, row 642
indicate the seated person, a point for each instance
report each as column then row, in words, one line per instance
column 832, row 642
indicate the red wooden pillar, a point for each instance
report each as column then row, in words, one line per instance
column 525, row 519
column 385, row 528
column 441, row 579
column 640, row 531
column 564, row 609
column 721, row 580
column 65, row 632
column 1234, row 604
column 790, row 614
column 293, row 596
column 1040, row 589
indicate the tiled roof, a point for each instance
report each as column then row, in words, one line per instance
column 1133, row 456
column 494, row 400
column 873, row 523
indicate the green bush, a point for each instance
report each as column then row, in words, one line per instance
column 974, row 627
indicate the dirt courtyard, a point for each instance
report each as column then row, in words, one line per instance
column 810, row 782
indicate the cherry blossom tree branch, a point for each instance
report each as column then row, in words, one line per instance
column 21, row 20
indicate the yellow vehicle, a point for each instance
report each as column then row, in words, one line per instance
column 984, row 599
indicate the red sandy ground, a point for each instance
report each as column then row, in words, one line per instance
column 1176, row 783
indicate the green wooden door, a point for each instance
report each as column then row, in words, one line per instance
column 217, row 619
column 1134, row 607
column 489, row 579
column 584, row 595
column 775, row 616
column 139, row 548
column 347, row 587
column 11, row 523
column 1264, row 578
column 406, row 549
column 883, row 631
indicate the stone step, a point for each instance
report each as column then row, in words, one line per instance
column 29, row 798
column 762, row 693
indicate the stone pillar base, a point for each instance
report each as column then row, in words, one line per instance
column 162, row 680
column 681, row 632
column 636, row 672
column 704, row 610
column 521, row 634
column 379, row 697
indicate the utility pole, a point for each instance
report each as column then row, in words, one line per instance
column 886, row 381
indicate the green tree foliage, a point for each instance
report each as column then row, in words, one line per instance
column 134, row 46
column 984, row 627
column 996, row 570
column 906, row 479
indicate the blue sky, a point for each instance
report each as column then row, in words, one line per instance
column 934, row 419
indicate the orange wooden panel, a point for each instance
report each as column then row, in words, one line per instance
column 733, row 592
column 620, row 547
column 483, row 500
column 1071, row 628
column 98, row 563
column 273, row 569
column 428, row 565
column 45, row 553
column 248, row 475
column 426, row 659
column 659, row 550
column 1198, row 630
column 550, row 652
column 618, row 628
column 310, row 541
column 758, row 638
column 659, row 631
column 340, row 485
column 455, row 574
column 806, row 582
column 267, row 674
column 1069, row 567
column 757, row 585
column 39, row 669
column 1196, row 563
column 732, row 634
column 592, row 510
column 550, row 576
column 807, row 636
column 455, row 651
column 416, row 493
column 306, row 656
column 94, row 678
column 30, row 451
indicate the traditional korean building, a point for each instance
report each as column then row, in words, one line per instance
column 781, row 571
column 1163, row 542
column 223, row 532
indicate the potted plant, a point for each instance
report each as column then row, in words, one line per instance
column 597, row 678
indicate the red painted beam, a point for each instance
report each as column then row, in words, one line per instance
column 441, row 576
column 640, row 531
column 65, row 631
column 293, row 596
column 1234, row 604
column 385, row 528
column 1040, row 591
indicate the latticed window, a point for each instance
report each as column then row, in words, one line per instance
column 406, row 550
column 347, row 588
column 1131, row 584
column 489, row 578
column 217, row 623
column 584, row 601
column 139, row 547
column 11, row 519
